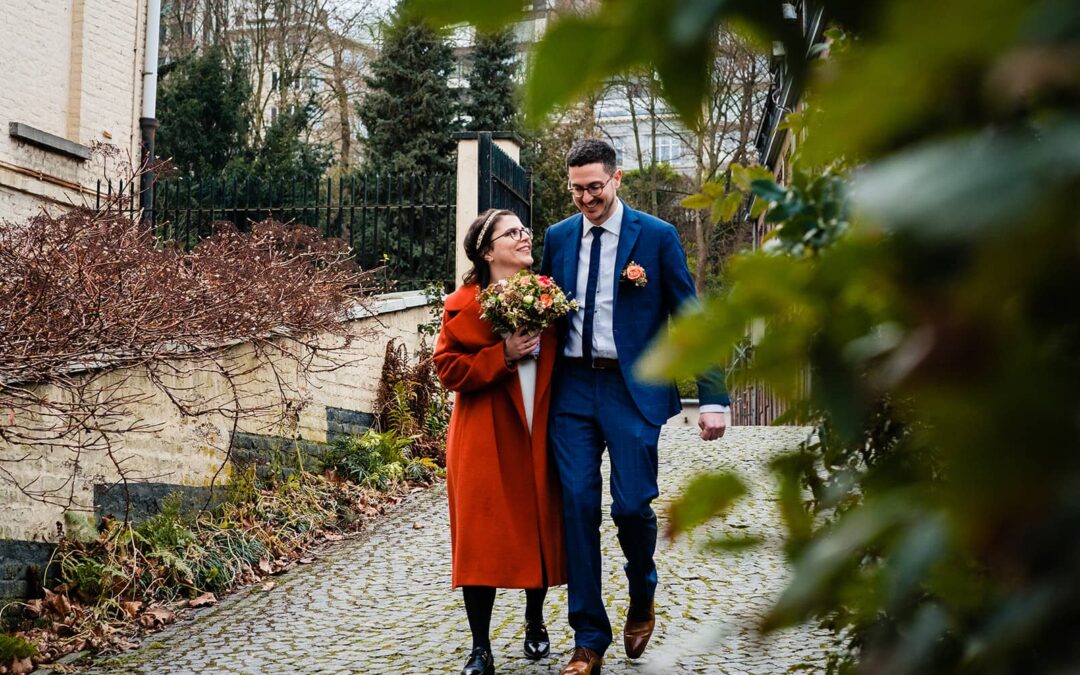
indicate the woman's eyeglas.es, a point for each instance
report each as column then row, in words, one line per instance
column 515, row 234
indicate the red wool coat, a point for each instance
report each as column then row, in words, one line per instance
column 505, row 512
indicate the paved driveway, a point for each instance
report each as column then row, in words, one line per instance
column 382, row 603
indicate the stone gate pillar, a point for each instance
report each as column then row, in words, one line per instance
column 468, row 184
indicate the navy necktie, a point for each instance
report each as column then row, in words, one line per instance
column 590, row 293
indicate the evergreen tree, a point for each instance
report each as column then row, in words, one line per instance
column 491, row 104
column 204, row 106
column 284, row 152
column 409, row 110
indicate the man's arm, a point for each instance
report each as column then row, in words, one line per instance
column 680, row 293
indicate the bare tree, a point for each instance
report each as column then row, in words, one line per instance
column 722, row 134
column 348, row 43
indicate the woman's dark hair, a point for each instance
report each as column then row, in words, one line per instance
column 476, row 246
column 592, row 151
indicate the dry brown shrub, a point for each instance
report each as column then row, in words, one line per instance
column 90, row 292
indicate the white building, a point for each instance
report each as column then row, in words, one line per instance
column 71, row 78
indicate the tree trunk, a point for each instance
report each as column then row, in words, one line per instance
column 702, row 253
column 341, row 92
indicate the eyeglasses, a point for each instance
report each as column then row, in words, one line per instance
column 515, row 234
column 594, row 189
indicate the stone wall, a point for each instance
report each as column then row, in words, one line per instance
column 174, row 453
column 72, row 70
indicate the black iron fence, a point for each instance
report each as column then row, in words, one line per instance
column 403, row 224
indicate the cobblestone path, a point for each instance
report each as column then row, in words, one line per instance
column 382, row 603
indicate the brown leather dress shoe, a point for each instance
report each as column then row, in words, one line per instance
column 636, row 634
column 584, row 662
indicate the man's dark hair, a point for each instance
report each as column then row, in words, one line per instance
column 592, row 151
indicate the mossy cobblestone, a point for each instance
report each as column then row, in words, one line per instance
column 382, row 603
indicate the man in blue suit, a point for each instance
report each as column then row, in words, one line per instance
column 628, row 273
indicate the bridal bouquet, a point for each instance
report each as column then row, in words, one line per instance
column 525, row 300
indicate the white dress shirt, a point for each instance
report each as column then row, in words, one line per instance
column 603, row 318
column 603, row 345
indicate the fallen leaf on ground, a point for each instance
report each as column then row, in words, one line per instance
column 204, row 600
column 57, row 603
column 20, row 666
column 333, row 536
column 156, row 616
column 264, row 566
column 131, row 607
column 418, row 526
column 269, row 585
column 306, row 561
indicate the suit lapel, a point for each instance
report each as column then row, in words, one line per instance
column 628, row 234
column 571, row 251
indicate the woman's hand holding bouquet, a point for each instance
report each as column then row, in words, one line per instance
column 520, row 307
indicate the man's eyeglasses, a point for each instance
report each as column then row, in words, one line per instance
column 594, row 189
column 515, row 234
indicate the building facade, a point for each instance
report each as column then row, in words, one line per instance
column 71, row 80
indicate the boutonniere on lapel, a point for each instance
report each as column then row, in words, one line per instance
column 634, row 273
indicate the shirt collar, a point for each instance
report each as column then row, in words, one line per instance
column 613, row 223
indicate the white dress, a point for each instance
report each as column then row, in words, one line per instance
column 526, row 370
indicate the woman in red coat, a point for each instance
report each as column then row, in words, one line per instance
column 505, row 514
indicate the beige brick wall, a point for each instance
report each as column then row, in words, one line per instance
column 189, row 451
column 71, row 68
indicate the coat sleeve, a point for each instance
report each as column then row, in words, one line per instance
column 463, row 370
column 680, row 295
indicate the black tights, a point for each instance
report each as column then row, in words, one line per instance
column 480, row 600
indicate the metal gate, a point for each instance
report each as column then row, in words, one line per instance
column 504, row 184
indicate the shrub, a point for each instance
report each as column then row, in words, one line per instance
column 375, row 459
column 14, row 648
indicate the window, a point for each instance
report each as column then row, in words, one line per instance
column 620, row 150
column 668, row 149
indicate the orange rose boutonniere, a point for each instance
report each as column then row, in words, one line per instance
column 635, row 274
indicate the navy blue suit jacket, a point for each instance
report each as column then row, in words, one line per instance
column 640, row 312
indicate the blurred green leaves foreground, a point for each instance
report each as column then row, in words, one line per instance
column 930, row 296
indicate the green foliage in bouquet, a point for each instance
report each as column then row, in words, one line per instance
column 525, row 300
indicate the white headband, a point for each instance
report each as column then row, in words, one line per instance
column 487, row 223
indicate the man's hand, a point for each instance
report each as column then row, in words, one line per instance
column 712, row 425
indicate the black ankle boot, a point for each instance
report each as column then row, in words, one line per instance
column 537, row 644
column 480, row 662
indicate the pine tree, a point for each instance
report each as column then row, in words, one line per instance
column 409, row 110
column 205, row 112
column 285, row 153
column 491, row 104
